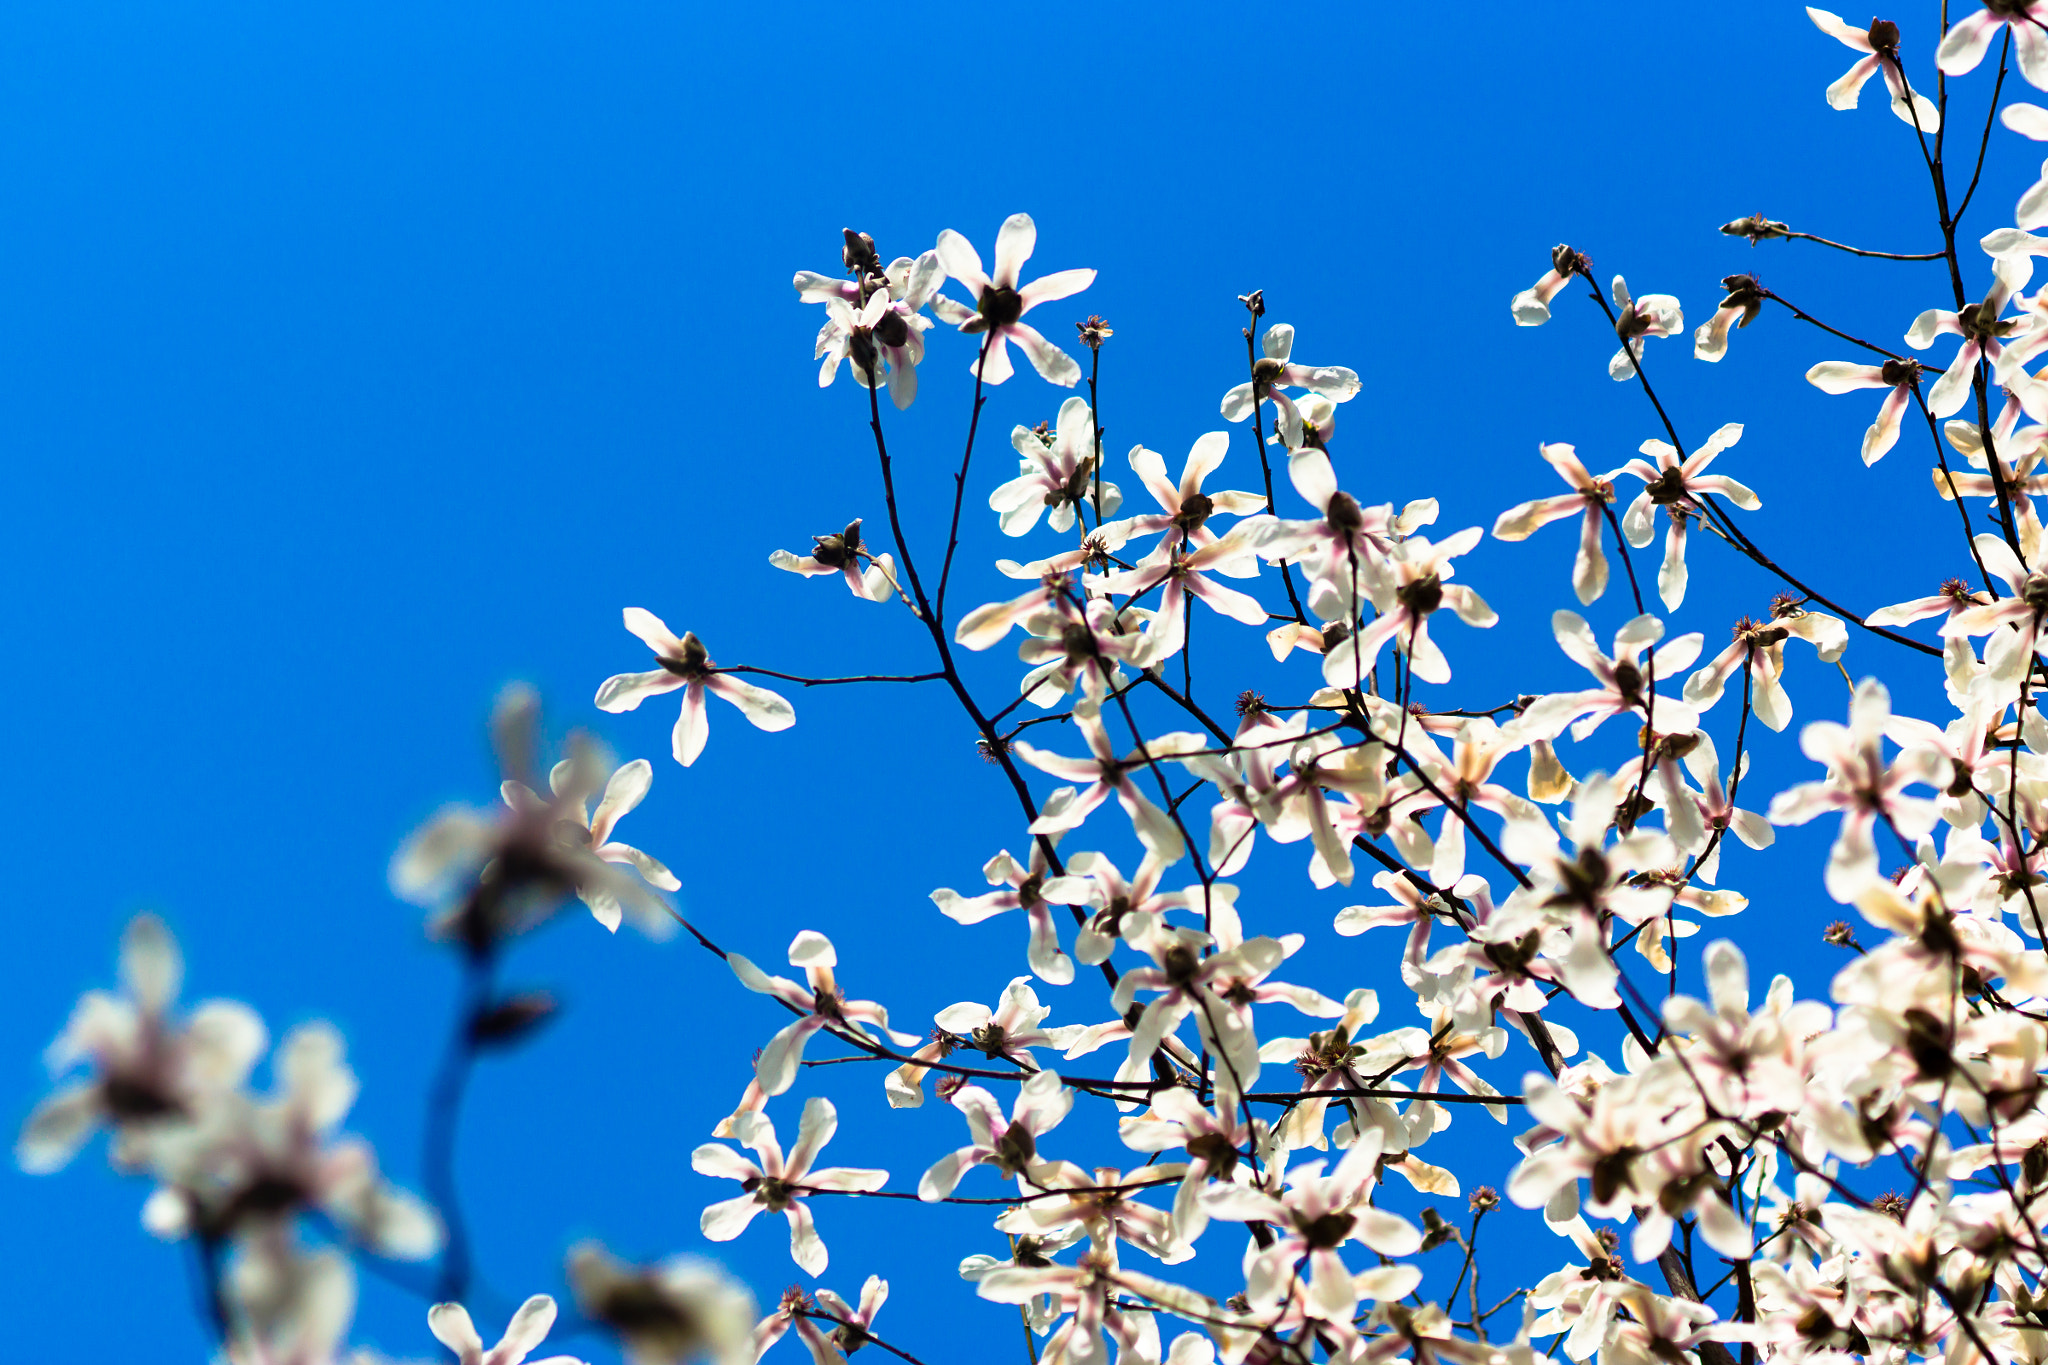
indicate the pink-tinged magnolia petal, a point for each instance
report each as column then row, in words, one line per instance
column 1842, row 376
column 625, row 691
column 1832, row 25
column 959, row 259
column 1531, row 307
column 58, row 1127
column 1671, row 574
column 150, row 964
column 723, row 1163
column 778, row 1063
column 2032, row 211
column 1150, row 467
column 806, row 1247
column 1203, row 457
column 451, row 1325
column 814, row 1130
column 1232, row 603
column 1844, row 92
column 794, row 563
column 686, row 741
column 1589, row 566
column 767, row 710
column 944, row 1176
column 1884, row 432
column 1950, row 391
column 728, row 1218
column 1053, row 365
column 653, row 632
column 1237, row 403
column 529, row 1326
column 1061, row 284
column 1932, row 323
column 2030, row 46
column 994, row 365
column 2028, row 120
column 1309, row 470
column 847, row 1179
column 1015, row 242
column 627, row 788
column 1522, row 521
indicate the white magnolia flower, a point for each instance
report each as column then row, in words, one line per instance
column 778, row 1184
column 685, row 664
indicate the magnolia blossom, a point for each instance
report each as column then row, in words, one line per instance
column 821, row 1005
column 1745, row 299
column 1653, row 315
column 1881, row 41
column 1970, row 38
column 1185, row 508
column 587, row 834
column 778, row 1184
column 1679, row 487
column 1592, row 495
column 1902, row 377
column 1010, row 1145
column 1979, row 325
column 1276, row 370
column 1104, row 773
column 1057, row 473
column 681, row 1310
column 1759, row 646
column 1179, row 576
column 1010, row 1032
column 1000, row 302
column 1034, row 891
column 1531, row 307
column 451, row 1325
column 1627, row 681
column 1862, row 786
column 842, row 553
column 1406, row 597
column 150, row 1071
column 686, row 664
column 874, row 318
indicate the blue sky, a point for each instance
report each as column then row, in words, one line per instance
column 359, row 360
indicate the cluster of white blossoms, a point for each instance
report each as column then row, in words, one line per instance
column 1857, row 1179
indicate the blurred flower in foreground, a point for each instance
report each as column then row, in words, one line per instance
column 682, row 1309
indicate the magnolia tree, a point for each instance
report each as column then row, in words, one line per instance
column 1209, row 1159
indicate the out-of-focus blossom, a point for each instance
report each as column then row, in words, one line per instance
column 585, row 834
column 683, row 1309
column 451, row 1325
column 151, row 1071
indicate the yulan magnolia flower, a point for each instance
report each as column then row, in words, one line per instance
column 875, row 316
column 820, row 1006
column 681, row 1310
column 585, row 834
column 842, row 554
column 685, row 664
column 252, row 1167
column 151, row 1071
column 1760, row 647
column 1531, row 307
column 1881, row 41
column 1593, row 494
column 1317, row 1214
column 1678, row 486
column 1274, row 371
column 778, row 1184
column 451, row 1325
column 1034, row 892
column 1010, row 1145
column 1970, row 39
column 1407, row 597
column 1626, row 681
column 1739, row 309
column 1055, row 474
column 1652, row 315
column 1104, row 773
column 1862, row 786
column 1902, row 377
column 1001, row 303
column 1185, row 508
column 1979, row 325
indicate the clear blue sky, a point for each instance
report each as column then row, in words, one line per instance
column 355, row 360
